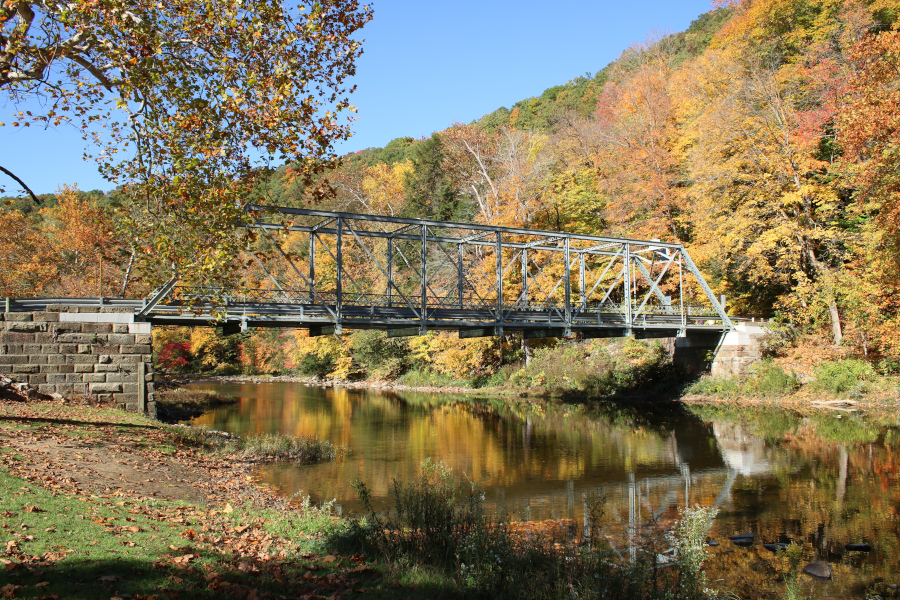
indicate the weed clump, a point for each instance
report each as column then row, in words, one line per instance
column 267, row 447
column 765, row 379
column 844, row 376
column 273, row 447
column 438, row 524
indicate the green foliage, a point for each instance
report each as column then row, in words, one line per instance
column 319, row 365
column 596, row 368
column 430, row 192
column 694, row 41
column 768, row 379
column 843, row 376
column 382, row 357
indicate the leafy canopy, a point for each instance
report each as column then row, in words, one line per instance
column 186, row 100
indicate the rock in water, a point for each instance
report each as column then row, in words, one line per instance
column 776, row 546
column 819, row 569
column 742, row 539
column 712, row 543
column 858, row 547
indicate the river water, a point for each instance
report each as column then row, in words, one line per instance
column 823, row 480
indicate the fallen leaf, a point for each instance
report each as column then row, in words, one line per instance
column 328, row 559
column 227, row 509
column 9, row 590
column 108, row 578
column 32, row 509
column 42, row 584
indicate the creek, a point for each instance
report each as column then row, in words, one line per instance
column 822, row 480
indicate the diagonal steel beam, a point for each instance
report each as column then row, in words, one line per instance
column 312, row 288
column 380, row 268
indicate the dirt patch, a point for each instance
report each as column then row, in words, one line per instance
column 63, row 446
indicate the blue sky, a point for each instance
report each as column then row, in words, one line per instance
column 426, row 65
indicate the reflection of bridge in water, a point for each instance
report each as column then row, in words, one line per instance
column 635, row 502
column 329, row 270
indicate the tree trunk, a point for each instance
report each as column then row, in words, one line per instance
column 127, row 274
column 832, row 304
column 526, row 349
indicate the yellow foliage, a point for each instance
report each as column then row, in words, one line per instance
column 449, row 355
column 207, row 345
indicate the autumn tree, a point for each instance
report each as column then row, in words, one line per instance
column 870, row 126
column 189, row 100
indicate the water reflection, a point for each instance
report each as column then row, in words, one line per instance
column 533, row 462
column 823, row 481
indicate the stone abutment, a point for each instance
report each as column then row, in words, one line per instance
column 95, row 351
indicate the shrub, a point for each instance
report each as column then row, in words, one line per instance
column 777, row 338
column 842, row 376
column 175, row 356
column 315, row 364
column 768, row 379
column 714, row 386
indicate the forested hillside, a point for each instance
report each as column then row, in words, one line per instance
column 766, row 138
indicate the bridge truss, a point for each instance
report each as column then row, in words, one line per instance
column 330, row 271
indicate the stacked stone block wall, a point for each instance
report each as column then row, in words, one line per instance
column 76, row 351
column 727, row 356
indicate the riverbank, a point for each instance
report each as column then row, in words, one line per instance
column 883, row 398
column 102, row 503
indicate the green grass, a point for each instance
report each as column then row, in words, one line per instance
column 764, row 379
column 98, row 547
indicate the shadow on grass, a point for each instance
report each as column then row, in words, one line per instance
column 214, row 577
column 13, row 418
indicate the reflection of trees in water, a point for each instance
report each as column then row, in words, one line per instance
column 832, row 481
column 820, row 480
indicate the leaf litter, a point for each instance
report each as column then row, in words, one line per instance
column 119, row 467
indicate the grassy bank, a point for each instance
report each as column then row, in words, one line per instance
column 99, row 503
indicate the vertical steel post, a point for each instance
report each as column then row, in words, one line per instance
column 681, row 295
column 459, row 274
column 339, row 259
column 499, row 251
column 626, row 274
column 525, row 276
column 583, row 292
column 568, row 290
column 390, row 271
column 312, row 264
column 424, row 316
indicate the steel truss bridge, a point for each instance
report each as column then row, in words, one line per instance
column 330, row 271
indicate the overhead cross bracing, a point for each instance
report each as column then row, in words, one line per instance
column 330, row 271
